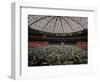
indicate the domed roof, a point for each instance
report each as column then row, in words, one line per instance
column 57, row 24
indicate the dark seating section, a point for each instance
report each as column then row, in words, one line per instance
column 56, row 55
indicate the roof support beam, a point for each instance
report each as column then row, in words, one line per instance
column 39, row 20
column 48, row 23
column 68, row 24
column 55, row 24
column 61, row 24
column 76, row 22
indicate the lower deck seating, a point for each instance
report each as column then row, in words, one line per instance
column 56, row 55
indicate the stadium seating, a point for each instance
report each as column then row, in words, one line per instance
column 56, row 55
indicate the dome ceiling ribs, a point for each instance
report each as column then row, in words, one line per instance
column 61, row 24
column 76, row 22
column 55, row 25
column 39, row 20
column 48, row 23
column 68, row 24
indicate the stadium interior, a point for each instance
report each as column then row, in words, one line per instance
column 57, row 45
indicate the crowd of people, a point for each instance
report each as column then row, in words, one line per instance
column 57, row 55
